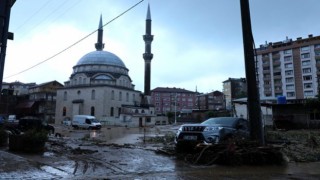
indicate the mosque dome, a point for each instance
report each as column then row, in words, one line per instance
column 101, row 58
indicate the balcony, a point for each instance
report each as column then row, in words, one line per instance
column 266, row 78
column 276, row 91
column 267, row 71
column 277, row 77
column 267, row 86
column 266, row 64
column 267, row 92
column 275, row 70
column 265, row 58
column 276, row 63
column 276, row 56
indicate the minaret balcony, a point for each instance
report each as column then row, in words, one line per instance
column 147, row 56
column 148, row 38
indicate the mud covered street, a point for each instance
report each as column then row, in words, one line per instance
column 126, row 153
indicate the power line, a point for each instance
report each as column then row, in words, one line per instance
column 44, row 5
column 62, row 51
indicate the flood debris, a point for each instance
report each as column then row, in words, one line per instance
column 239, row 153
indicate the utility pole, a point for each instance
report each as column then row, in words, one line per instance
column 5, row 9
column 253, row 101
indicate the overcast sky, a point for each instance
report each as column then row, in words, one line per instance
column 197, row 43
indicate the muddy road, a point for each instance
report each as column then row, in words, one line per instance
column 124, row 153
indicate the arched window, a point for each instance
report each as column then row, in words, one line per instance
column 120, row 96
column 142, row 111
column 79, row 92
column 93, row 94
column 112, row 95
column 119, row 111
column 136, row 111
column 64, row 111
column 111, row 111
column 92, row 111
column 127, row 97
column 84, row 80
column 65, row 96
column 133, row 97
column 80, row 80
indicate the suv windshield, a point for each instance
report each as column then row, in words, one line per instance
column 220, row 121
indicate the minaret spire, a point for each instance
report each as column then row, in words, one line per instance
column 100, row 45
column 147, row 56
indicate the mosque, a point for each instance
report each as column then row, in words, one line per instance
column 101, row 86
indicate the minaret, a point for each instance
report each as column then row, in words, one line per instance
column 100, row 45
column 147, row 55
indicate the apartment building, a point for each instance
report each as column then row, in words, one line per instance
column 234, row 88
column 173, row 99
column 289, row 68
column 211, row 101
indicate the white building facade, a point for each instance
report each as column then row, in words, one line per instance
column 289, row 68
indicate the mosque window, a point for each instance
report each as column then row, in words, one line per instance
column 84, row 80
column 80, row 80
column 65, row 97
column 127, row 97
column 64, row 111
column 119, row 111
column 112, row 95
column 92, row 111
column 136, row 111
column 93, row 94
column 133, row 97
column 102, row 77
column 120, row 96
column 111, row 111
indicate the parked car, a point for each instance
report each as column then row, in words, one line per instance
column 213, row 130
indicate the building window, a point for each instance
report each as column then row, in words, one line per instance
column 307, row 78
column 79, row 92
column 112, row 95
column 289, row 80
column 133, row 97
column 65, row 96
column 92, row 111
column 93, row 94
column 308, row 93
column 111, row 111
column 288, row 58
column 64, row 111
column 127, row 97
column 305, row 48
column 119, row 111
column 290, row 87
column 307, row 85
column 306, row 70
column 289, row 72
column 120, row 96
column 287, row 51
column 305, row 63
column 305, row 55
column 291, row 94
column 288, row 65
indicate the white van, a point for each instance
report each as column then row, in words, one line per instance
column 85, row 121
column 12, row 118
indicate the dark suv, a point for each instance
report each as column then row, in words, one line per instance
column 30, row 122
column 213, row 130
